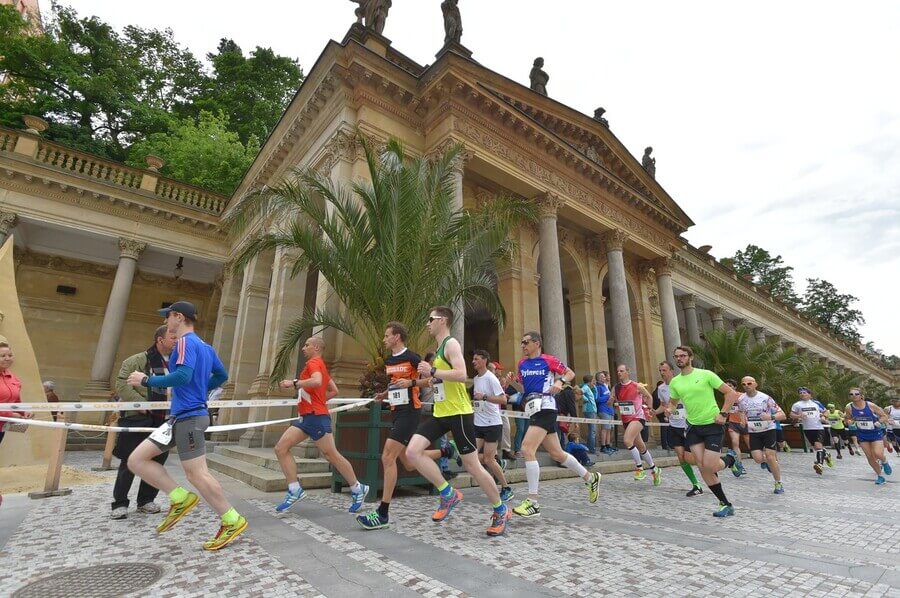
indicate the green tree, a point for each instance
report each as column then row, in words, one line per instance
column 252, row 90
column 100, row 90
column 766, row 270
column 390, row 248
column 822, row 303
column 203, row 153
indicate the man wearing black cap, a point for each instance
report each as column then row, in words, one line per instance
column 194, row 370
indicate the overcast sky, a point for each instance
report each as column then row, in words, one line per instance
column 774, row 123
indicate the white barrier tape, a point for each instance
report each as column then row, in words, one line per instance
column 156, row 405
column 225, row 428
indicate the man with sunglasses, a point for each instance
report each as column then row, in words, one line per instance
column 869, row 419
column 811, row 413
column 762, row 412
column 540, row 377
column 452, row 413
column 705, row 432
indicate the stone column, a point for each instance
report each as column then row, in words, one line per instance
column 690, row 318
column 113, row 320
column 553, row 322
column 667, row 309
column 8, row 222
column 614, row 241
column 759, row 334
column 717, row 315
column 226, row 318
column 458, row 328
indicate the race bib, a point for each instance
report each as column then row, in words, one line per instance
column 759, row 425
column 533, row 406
column 480, row 406
column 437, row 393
column 398, row 396
column 163, row 434
column 810, row 413
column 678, row 413
column 896, row 418
column 626, row 408
column 864, row 424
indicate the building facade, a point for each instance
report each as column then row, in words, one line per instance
column 606, row 274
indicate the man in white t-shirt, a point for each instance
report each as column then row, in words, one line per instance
column 811, row 414
column 488, row 395
column 762, row 412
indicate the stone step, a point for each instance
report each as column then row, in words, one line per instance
column 265, row 457
column 262, row 478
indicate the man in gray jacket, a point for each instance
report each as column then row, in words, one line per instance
column 153, row 363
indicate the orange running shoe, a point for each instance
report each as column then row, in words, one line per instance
column 447, row 505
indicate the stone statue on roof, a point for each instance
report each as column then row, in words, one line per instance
column 649, row 163
column 372, row 13
column 598, row 116
column 539, row 77
column 452, row 22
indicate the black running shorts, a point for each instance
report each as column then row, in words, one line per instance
column 462, row 427
column 709, row 435
column 405, row 424
column 763, row 440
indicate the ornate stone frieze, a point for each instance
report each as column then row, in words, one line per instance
column 7, row 222
column 131, row 248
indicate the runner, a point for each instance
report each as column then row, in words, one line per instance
column 489, row 396
column 695, row 388
column 535, row 380
column 812, row 414
column 894, row 430
column 314, row 387
column 762, row 412
column 452, row 413
column 737, row 427
column 194, row 370
column 866, row 415
column 631, row 398
column 836, row 429
column 676, row 428
column 405, row 401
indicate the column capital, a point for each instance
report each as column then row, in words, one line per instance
column 441, row 148
column 7, row 221
column 662, row 266
column 738, row 323
column 716, row 313
column 549, row 204
column 614, row 240
column 688, row 302
column 131, row 248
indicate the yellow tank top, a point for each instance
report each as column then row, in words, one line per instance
column 456, row 399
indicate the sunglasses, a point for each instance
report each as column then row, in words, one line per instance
column 433, row 318
column 855, row 394
column 526, row 341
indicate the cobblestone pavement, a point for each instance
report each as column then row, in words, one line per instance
column 830, row 535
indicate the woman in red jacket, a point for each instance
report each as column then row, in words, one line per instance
column 10, row 386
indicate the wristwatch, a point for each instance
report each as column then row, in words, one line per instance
column 433, row 370
column 294, row 382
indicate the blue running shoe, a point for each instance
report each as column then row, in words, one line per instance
column 507, row 494
column 879, row 481
column 764, row 466
column 358, row 498
column 886, row 467
column 724, row 511
column 736, row 468
column 289, row 500
column 372, row 521
column 779, row 488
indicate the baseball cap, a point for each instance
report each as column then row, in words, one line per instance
column 804, row 389
column 185, row 308
column 831, row 405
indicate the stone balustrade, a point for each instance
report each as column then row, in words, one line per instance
column 60, row 157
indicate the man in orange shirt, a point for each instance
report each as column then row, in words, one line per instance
column 315, row 387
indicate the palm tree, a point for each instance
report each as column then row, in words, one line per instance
column 390, row 248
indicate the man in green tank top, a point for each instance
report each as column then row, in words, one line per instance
column 452, row 413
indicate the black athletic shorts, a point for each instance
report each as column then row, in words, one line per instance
column 404, row 425
column 779, row 435
column 489, row 433
column 814, row 436
column 709, row 435
column 675, row 436
column 462, row 427
column 763, row 440
column 546, row 419
column 645, row 432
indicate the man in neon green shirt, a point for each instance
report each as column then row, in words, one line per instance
column 837, row 431
column 695, row 388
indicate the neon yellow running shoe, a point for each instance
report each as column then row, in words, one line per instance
column 227, row 534
column 177, row 511
column 639, row 474
column 593, row 487
column 657, row 476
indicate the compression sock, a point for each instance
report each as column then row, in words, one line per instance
column 573, row 464
column 646, row 456
column 729, row 461
column 383, row 509
column 533, row 475
column 230, row 517
column 499, row 507
column 636, row 455
column 717, row 490
column 689, row 472
column 820, row 456
column 178, row 495
column 446, row 490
